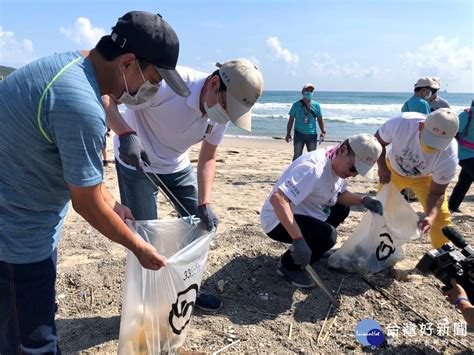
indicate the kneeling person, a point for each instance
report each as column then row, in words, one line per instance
column 311, row 199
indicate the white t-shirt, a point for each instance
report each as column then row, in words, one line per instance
column 169, row 124
column 405, row 153
column 311, row 186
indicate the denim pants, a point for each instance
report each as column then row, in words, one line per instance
column 300, row 140
column 27, row 308
column 320, row 236
column 139, row 194
column 466, row 176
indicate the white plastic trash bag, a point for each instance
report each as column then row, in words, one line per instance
column 157, row 305
column 377, row 242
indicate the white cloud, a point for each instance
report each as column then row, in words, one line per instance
column 274, row 44
column 82, row 32
column 324, row 64
column 446, row 59
column 15, row 52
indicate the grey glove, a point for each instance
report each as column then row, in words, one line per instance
column 372, row 205
column 301, row 252
column 207, row 216
column 131, row 150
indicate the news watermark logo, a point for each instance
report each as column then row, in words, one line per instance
column 369, row 333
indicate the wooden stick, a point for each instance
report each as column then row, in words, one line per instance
column 329, row 328
column 226, row 347
column 330, row 308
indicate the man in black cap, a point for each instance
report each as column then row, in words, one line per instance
column 52, row 111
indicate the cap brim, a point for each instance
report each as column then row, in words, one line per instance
column 433, row 141
column 364, row 169
column 174, row 81
column 239, row 114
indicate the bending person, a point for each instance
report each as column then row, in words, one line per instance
column 311, row 199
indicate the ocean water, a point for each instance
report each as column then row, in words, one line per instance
column 344, row 113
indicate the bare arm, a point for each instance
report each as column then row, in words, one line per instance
column 348, row 198
column 434, row 202
column 114, row 119
column 283, row 211
column 289, row 127
column 383, row 171
column 321, row 127
column 91, row 204
column 206, row 171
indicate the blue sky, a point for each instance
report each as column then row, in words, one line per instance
column 357, row 45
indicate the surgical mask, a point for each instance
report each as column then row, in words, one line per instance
column 308, row 95
column 427, row 149
column 216, row 113
column 145, row 92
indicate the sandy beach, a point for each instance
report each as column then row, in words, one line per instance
column 259, row 308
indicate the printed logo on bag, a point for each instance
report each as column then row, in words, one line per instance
column 369, row 333
column 385, row 248
column 182, row 309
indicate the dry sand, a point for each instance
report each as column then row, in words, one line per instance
column 91, row 274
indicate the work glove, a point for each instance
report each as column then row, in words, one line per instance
column 131, row 151
column 372, row 205
column 301, row 252
column 207, row 216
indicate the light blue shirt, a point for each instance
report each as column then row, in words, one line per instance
column 463, row 152
column 305, row 123
column 44, row 151
column 416, row 104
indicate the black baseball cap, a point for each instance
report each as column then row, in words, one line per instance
column 151, row 38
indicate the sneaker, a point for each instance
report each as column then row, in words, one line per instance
column 208, row 302
column 298, row 278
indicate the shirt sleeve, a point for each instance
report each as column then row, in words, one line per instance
column 317, row 110
column 388, row 130
column 425, row 107
column 299, row 183
column 217, row 134
column 463, row 116
column 77, row 126
column 293, row 110
column 445, row 168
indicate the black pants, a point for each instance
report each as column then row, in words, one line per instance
column 466, row 176
column 320, row 236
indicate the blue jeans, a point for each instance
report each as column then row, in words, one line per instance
column 139, row 194
column 300, row 140
column 27, row 308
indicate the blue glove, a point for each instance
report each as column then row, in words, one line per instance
column 207, row 216
column 131, row 151
column 373, row 205
column 301, row 252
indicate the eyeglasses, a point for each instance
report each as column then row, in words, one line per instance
column 353, row 168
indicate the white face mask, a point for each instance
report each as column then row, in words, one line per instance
column 428, row 96
column 216, row 113
column 145, row 92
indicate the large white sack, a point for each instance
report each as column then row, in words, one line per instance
column 157, row 305
column 377, row 242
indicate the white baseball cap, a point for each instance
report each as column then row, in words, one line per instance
column 424, row 82
column 244, row 84
column 307, row 86
column 440, row 128
column 367, row 150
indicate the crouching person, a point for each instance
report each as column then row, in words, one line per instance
column 311, row 199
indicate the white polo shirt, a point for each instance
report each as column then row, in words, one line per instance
column 169, row 124
column 405, row 153
column 311, row 186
